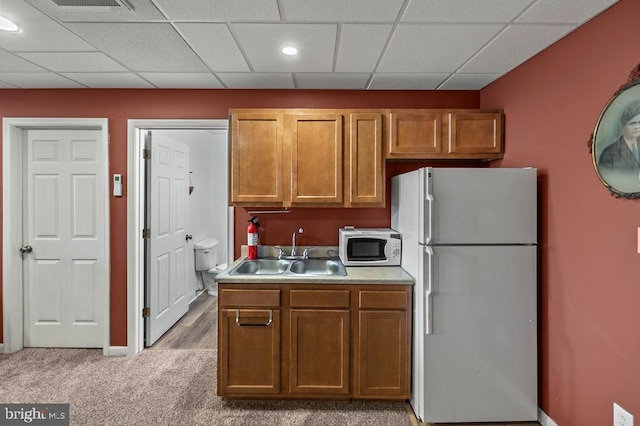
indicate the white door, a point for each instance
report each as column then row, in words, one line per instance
column 65, row 210
column 167, row 202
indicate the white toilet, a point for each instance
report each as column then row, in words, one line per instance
column 206, row 253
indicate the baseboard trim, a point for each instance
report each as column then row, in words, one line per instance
column 544, row 419
column 1, row 348
column 117, row 351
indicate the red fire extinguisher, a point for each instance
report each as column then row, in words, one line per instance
column 252, row 238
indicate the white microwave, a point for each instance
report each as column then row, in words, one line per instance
column 370, row 246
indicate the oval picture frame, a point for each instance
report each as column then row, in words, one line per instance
column 615, row 158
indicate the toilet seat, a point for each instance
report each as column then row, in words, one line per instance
column 218, row 268
column 212, row 285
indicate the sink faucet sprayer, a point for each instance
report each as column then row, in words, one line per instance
column 293, row 240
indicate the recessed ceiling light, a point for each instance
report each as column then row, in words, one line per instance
column 7, row 25
column 289, row 50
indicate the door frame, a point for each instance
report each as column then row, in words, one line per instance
column 14, row 132
column 136, row 194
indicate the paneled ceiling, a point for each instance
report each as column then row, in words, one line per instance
column 342, row 44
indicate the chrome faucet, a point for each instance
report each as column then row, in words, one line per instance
column 293, row 240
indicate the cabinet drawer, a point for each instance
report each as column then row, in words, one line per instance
column 249, row 298
column 319, row 299
column 371, row 299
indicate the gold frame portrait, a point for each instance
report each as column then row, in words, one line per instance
column 612, row 151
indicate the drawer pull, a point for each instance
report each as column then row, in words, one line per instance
column 251, row 324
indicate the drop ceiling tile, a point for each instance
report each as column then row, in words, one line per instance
column 408, row 81
column 464, row 10
column 4, row 85
column 256, row 81
column 222, row 10
column 434, row 48
column 182, row 80
column 360, row 46
column 39, row 32
column 215, row 45
column 118, row 80
column 152, row 47
column 569, row 11
column 37, row 80
column 514, row 46
column 74, row 61
column 13, row 63
column 331, row 81
column 142, row 10
column 468, row 81
column 262, row 43
column 341, row 10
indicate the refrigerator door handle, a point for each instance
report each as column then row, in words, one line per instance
column 428, row 276
column 428, row 219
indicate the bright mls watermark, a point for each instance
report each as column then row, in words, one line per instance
column 37, row 414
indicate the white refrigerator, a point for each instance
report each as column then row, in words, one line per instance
column 469, row 239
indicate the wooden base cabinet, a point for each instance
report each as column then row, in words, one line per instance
column 250, row 352
column 249, row 342
column 382, row 344
column 319, row 348
column 311, row 341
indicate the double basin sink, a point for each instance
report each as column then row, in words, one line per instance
column 298, row 267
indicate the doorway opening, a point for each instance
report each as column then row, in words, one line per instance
column 211, row 216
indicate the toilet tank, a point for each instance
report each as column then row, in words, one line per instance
column 206, row 254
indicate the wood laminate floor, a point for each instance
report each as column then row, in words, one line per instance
column 197, row 329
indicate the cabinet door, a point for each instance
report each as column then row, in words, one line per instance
column 382, row 369
column 475, row 133
column 414, row 134
column 249, row 353
column 365, row 165
column 256, row 158
column 382, row 343
column 316, row 159
column 319, row 352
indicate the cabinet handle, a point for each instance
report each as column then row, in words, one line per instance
column 251, row 324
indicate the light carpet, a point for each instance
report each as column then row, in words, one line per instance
column 163, row 387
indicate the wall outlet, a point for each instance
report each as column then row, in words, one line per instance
column 621, row 417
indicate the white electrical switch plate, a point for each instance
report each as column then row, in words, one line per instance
column 117, row 186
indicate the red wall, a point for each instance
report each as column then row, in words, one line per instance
column 120, row 105
column 590, row 268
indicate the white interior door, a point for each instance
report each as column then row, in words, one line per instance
column 65, row 208
column 167, row 203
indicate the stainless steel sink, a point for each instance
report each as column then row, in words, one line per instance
column 318, row 267
column 262, row 267
column 299, row 267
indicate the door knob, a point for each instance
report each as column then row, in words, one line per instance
column 188, row 237
column 26, row 249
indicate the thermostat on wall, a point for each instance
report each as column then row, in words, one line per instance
column 117, row 185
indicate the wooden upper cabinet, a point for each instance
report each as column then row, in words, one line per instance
column 364, row 164
column 336, row 157
column 414, row 134
column 476, row 133
column 316, row 159
column 445, row 134
column 257, row 158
